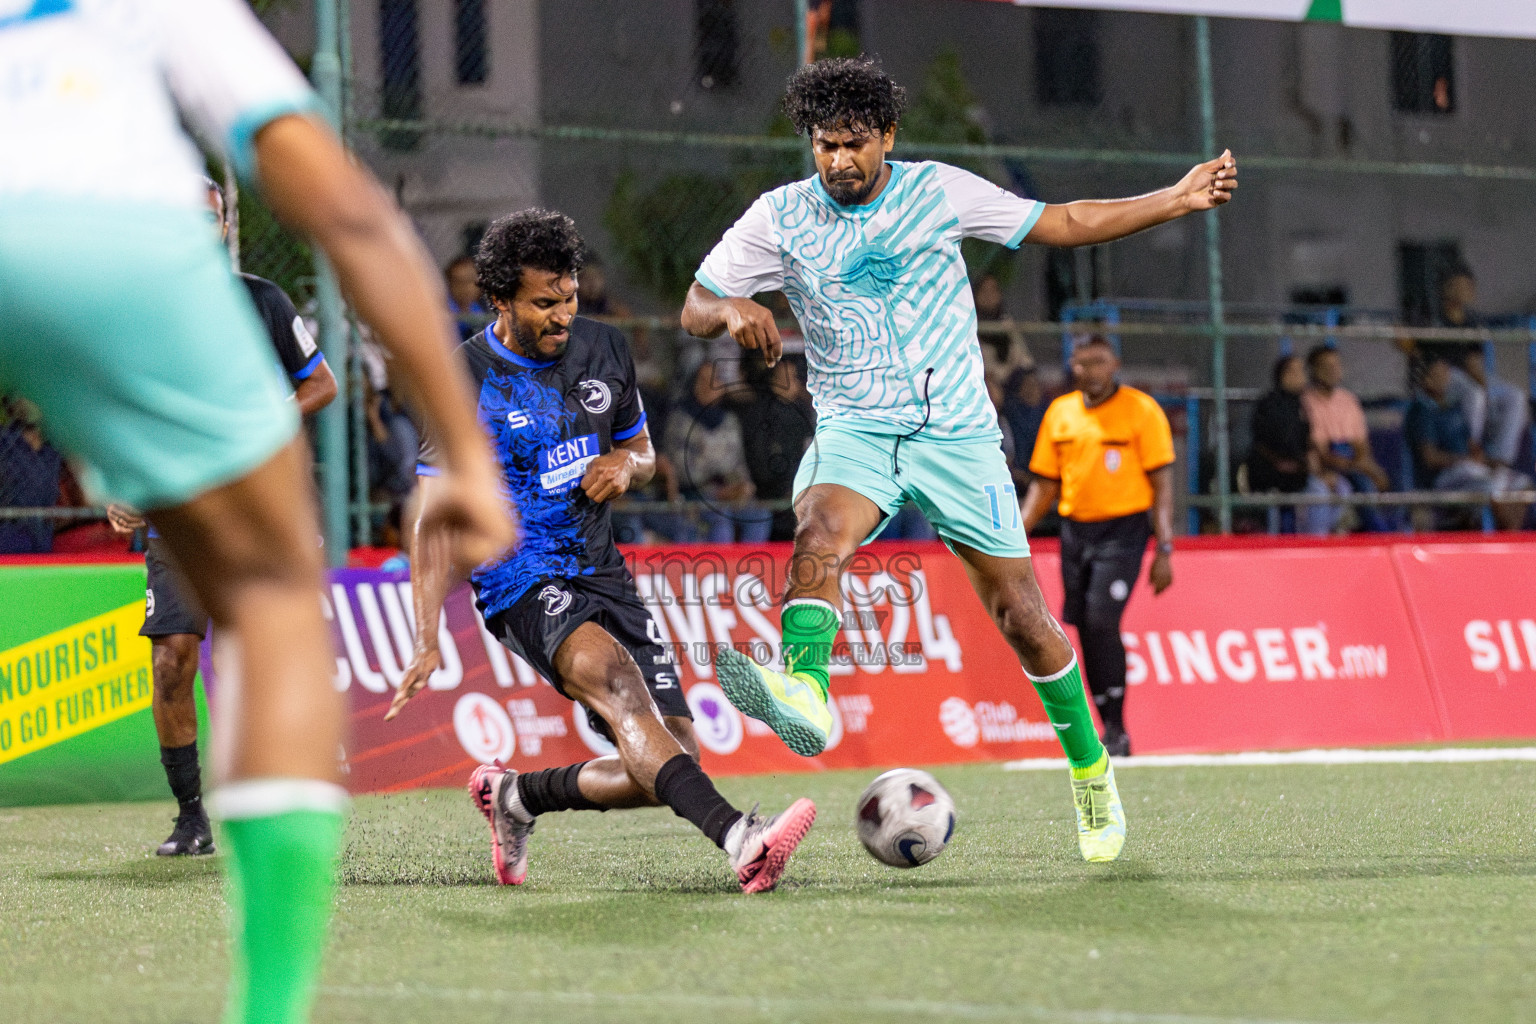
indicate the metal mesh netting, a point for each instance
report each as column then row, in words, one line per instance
column 1373, row 164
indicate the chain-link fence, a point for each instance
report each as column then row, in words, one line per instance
column 1374, row 166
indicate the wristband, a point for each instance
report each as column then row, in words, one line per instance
column 1165, row 547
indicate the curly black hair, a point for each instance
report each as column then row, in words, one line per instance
column 843, row 92
column 535, row 238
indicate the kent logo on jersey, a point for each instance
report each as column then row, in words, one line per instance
column 563, row 466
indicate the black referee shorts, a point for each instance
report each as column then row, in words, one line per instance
column 550, row 611
column 169, row 604
column 1100, row 563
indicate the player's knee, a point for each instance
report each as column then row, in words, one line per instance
column 174, row 664
column 611, row 681
column 1025, row 621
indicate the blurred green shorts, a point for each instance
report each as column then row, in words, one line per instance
column 126, row 327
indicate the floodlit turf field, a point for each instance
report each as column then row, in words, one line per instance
column 1362, row 893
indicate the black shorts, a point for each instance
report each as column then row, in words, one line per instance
column 1099, row 566
column 550, row 611
column 169, row 605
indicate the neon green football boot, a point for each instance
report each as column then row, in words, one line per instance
column 793, row 705
column 1100, row 817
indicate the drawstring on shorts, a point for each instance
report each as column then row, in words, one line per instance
column 927, row 411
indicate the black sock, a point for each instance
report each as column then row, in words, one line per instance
column 682, row 785
column 182, row 773
column 553, row 789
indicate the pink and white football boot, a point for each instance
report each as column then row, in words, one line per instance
column 766, row 844
column 509, row 835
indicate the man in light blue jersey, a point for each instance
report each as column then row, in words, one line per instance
column 868, row 253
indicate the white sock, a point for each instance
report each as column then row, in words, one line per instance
column 512, row 800
column 733, row 837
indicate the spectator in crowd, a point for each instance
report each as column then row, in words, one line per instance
column 464, row 299
column 777, row 424
column 1282, row 455
column 703, row 443
column 393, row 443
column 1023, row 408
column 1003, row 345
column 1496, row 411
column 1447, row 458
column 1457, row 295
column 29, row 478
column 1340, row 442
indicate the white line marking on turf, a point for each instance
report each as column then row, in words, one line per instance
column 774, row 1005
column 1442, row 755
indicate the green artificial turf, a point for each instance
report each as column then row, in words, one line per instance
column 1371, row 893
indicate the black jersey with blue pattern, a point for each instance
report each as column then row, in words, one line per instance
column 547, row 421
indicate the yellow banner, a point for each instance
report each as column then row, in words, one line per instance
column 71, row 681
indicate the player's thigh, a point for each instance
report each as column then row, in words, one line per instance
column 170, row 606
column 967, row 492
column 129, row 331
column 844, row 489
column 624, row 616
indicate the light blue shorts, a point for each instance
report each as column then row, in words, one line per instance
column 126, row 327
column 963, row 487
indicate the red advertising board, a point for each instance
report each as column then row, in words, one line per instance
column 1256, row 650
column 1474, row 609
column 1253, row 648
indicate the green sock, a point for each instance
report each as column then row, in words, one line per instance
column 1066, row 705
column 810, row 626
column 283, row 836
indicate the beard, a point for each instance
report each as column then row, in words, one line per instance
column 851, row 191
column 528, row 342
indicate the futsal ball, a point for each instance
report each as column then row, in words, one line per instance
column 905, row 818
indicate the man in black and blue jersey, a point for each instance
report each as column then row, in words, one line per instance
column 173, row 620
column 559, row 398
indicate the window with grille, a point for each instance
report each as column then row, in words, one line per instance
column 717, row 44
column 1067, row 57
column 1423, row 73
column 472, row 58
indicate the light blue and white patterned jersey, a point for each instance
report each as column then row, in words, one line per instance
column 881, row 293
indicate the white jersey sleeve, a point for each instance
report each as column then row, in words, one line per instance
column 747, row 260
column 228, row 76
column 985, row 210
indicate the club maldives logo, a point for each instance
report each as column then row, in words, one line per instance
column 484, row 730
column 968, row 724
column 715, row 722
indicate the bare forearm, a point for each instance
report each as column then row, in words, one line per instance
column 704, row 312
column 1162, row 504
column 1039, row 500
column 432, row 575
column 1094, row 221
column 316, row 391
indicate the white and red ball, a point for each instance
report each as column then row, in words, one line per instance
column 905, row 818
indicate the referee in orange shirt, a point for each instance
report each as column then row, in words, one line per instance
column 1105, row 453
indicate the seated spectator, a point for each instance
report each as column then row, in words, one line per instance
column 29, row 478
column 1496, row 411
column 1445, row 456
column 777, row 424
column 1023, row 408
column 1282, row 459
column 1341, row 443
column 464, row 298
column 703, row 442
column 1457, row 295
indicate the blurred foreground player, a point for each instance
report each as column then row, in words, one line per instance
column 559, row 397
column 1105, row 453
column 173, row 620
column 167, row 398
column 868, row 252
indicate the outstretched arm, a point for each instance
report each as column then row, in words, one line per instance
column 706, row 314
column 433, row 575
column 1092, row 221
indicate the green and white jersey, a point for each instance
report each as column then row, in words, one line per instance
column 881, row 293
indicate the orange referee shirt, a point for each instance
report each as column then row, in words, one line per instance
column 1102, row 455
